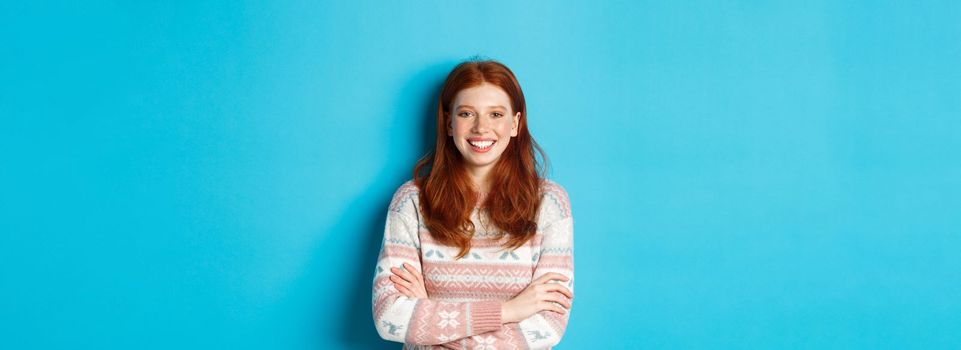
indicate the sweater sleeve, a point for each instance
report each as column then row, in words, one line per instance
column 419, row 321
column 544, row 329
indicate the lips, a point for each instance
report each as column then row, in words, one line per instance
column 481, row 145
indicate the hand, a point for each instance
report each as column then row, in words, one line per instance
column 539, row 295
column 409, row 281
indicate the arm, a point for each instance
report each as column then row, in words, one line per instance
column 544, row 329
column 419, row 321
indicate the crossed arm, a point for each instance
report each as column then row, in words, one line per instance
column 535, row 318
column 539, row 300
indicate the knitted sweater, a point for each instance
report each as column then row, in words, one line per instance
column 463, row 310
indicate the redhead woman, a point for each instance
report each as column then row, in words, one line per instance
column 478, row 246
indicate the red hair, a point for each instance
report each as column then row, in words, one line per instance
column 447, row 193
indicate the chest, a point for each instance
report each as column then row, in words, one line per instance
column 489, row 271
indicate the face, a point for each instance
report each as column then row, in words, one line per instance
column 482, row 124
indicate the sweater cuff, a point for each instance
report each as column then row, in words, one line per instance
column 485, row 316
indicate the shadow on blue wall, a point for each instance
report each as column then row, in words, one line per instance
column 417, row 99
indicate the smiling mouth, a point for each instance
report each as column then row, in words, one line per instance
column 479, row 146
column 482, row 144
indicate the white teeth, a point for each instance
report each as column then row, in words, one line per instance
column 481, row 144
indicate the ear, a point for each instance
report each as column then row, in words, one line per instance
column 516, row 123
column 450, row 129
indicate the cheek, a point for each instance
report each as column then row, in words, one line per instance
column 504, row 128
column 459, row 129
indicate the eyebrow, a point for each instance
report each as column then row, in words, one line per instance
column 469, row 106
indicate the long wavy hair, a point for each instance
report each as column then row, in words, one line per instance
column 447, row 193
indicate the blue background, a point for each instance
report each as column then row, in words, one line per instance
column 215, row 174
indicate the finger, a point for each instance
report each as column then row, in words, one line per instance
column 417, row 286
column 550, row 276
column 403, row 290
column 410, row 268
column 400, row 281
column 558, row 309
column 558, row 298
column 402, row 273
column 553, row 287
column 549, row 306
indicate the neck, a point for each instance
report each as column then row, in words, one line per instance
column 479, row 175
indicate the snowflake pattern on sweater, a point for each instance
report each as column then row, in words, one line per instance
column 464, row 308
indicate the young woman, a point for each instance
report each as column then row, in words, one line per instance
column 478, row 246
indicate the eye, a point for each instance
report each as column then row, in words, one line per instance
column 464, row 114
column 497, row 115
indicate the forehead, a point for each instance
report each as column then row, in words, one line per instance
column 481, row 96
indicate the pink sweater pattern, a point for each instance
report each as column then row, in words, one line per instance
column 465, row 296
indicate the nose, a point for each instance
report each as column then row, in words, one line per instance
column 481, row 124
